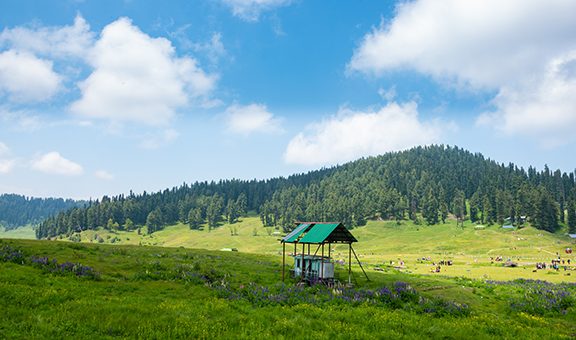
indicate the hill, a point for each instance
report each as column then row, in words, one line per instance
column 425, row 185
column 56, row 290
column 17, row 211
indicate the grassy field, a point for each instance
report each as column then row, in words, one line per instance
column 26, row 232
column 383, row 245
column 80, row 290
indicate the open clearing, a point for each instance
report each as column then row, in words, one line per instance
column 384, row 244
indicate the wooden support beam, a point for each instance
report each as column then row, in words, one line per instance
column 283, row 259
column 357, row 259
column 349, row 263
column 322, row 264
column 302, row 264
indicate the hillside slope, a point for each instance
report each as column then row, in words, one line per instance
column 424, row 184
column 380, row 242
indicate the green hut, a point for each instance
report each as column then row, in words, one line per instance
column 317, row 266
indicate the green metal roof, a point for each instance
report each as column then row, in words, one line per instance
column 313, row 232
column 293, row 236
column 319, row 233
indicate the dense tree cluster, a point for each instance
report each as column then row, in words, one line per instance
column 424, row 184
column 427, row 184
column 17, row 210
column 197, row 204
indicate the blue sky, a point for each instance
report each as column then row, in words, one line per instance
column 104, row 97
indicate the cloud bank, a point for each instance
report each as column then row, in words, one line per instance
column 524, row 50
column 353, row 134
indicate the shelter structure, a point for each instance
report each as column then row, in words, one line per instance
column 313, row 267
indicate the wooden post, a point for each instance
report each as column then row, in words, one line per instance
column 322, row 263
column 283, row 259
column 359, row 263
column 349, row 263
column 329, row 244
column 302, row 264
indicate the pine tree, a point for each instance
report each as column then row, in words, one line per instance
column 430, row 208
column 195, row 218
column 546, row 211
column 154, row 220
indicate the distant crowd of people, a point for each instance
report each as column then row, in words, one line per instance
column 556, row 263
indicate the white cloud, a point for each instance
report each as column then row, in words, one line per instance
column 24, row 77
column 545, row 110
column 250, row 10
column 58, row 42
column 251, row 118
column 138, row 78
column 54, row 163
column 104, row 175
column 507, row 46
column 353, row 134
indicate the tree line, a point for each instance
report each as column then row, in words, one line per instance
column 423, row 184
column 18, row 210
column 197, row 204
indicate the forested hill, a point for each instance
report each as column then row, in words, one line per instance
column 17, row 210
column 425, row 184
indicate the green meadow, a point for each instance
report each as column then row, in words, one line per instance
column 53, row 289
column 163, row 286
column 383, row 245
column 26, row 232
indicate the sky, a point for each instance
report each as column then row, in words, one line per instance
column 100, row 97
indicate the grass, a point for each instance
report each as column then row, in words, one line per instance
column 26, row 232
column 383, row 244
column 154, row 292
column 161, row 286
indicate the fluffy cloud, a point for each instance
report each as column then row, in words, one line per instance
column 251, row 118
column 59, row 42
column 545, row 110
column 352, row 134
column 54, row 163
column 250, row 10
column 512, row 47
column 26, row 64
column 24, row 77
column 138, row 78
